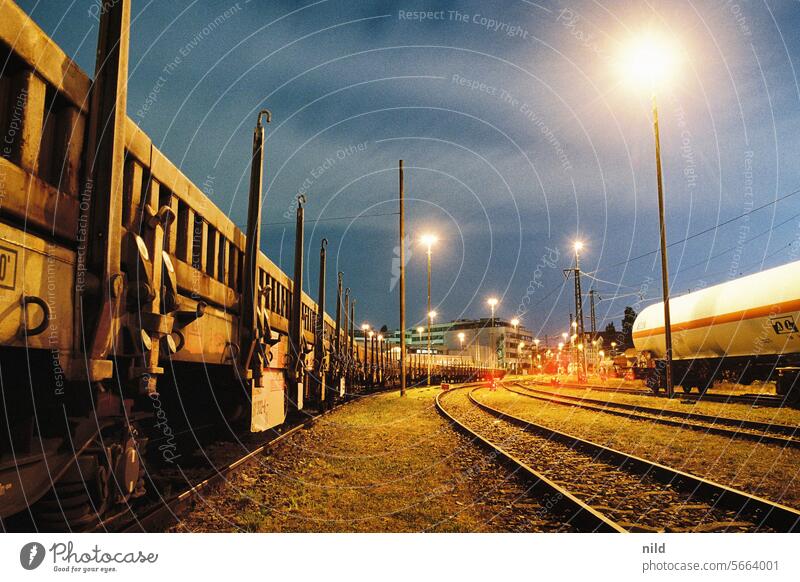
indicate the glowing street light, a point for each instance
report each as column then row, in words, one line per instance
column 492, row 301
column 649, row 60
column 461, row 337
column 429, row 240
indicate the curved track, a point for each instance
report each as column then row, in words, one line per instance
column 607, row 486
column 762, row 432
column 574, row 512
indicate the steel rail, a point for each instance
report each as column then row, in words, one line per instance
column 166, row 512
column 689, row 420
column 759, row 510
column 752, row 399
column 582, row 516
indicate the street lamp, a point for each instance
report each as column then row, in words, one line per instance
column 429, row 240
column 492, row 301
column 649, row 60
column 431, row 315
column 461, row 337
column 613, row 348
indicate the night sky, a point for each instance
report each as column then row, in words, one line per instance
column 517, row 132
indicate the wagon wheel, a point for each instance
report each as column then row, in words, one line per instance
column 653, row 381
column 78, row 500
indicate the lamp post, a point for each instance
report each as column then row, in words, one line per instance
column 431, row 315
column 649, row 60
column 429, row 240
column 420, row 331
column 492, row 301
column 578, row 323
column 520, row 347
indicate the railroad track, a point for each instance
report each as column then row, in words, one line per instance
column 165, row 512
column 603, row 489
column 750, row 399
column 761, row 432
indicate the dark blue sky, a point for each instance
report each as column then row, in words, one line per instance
column 515, row 129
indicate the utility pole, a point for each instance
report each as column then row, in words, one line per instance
column 402, row 287
column 664, row 263
column 579, row 316
column 580, row 329
column 592, row 316
column 430, row 355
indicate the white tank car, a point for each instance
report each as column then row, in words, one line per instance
column 756, row 315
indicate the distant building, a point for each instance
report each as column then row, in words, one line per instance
column 497, row 345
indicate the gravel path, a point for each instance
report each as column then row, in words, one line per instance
column 381, row 464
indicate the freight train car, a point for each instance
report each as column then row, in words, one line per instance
column 742, row 330
column 131, row 307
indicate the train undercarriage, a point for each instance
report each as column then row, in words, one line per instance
column 699, row 375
